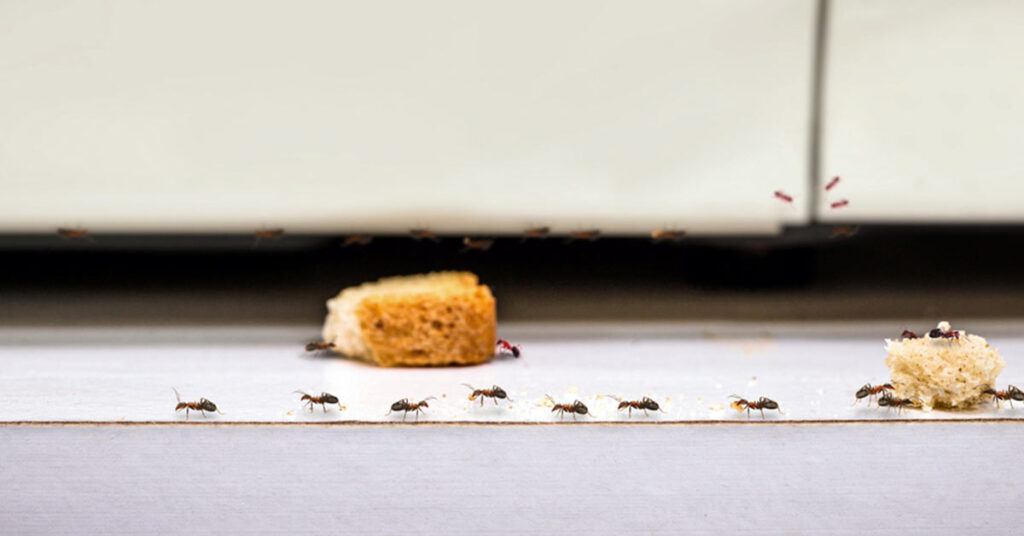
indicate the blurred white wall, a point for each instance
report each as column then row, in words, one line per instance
column 458, row 115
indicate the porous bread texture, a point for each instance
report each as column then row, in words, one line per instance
column 440, row 318
column 941, row 372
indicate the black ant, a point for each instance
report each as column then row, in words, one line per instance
column 647, row 403
column 760, row 404
column 406, row 406
column 323, row 399
column 575, row 408
column 907, row 334
column 938, row 333
column 202, row 406
column 870, row 391
column 319, row 346
column 889, row 401
column 1011, row 393
column 494, row 392
column 504, row 346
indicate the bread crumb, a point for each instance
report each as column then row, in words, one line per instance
column 717, row 406
column 444, row 395
column 943, row 372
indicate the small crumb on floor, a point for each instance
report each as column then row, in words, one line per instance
column 717, row 406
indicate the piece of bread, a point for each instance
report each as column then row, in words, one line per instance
column 943, row 372
column 441, row 318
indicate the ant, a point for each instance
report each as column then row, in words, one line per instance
column 536, row 232
column 647, row 403
column 269, row 234
column 760, row 404
column 73, row 234
column 1011, row 393
column 494, row 392
column 202, row 406
column 589, row 236
column 844, row 230
column 840, row 204
column 406, row 406
column 323, row 399
column 832, row 183
column 424, row 234
column 938, row 333
column 575, row 408
column 907, row 334
column 870, row 391
column 504, row 346
column 780, row 195
column 356, row 240
column 319, row 346
column 662, row 235
column 890, row 401
column 479, row 244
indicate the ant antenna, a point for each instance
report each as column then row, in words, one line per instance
column 613, row 397
column 470, row 386
column 176, row 395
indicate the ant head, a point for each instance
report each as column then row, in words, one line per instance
column 578, row 407
column 329, row 398
column 935, row 333
column 206, row 405
column 863, row 392
column 499, row 392
column 650, row 404
column 770, row 404
column 400, row 405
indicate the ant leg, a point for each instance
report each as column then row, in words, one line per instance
column 323, row 407
column 495, row 401
column 404, row 415
column 762, row 414
column 186, row 414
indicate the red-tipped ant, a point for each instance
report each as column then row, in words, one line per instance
column 576, row 408
column 907, row 334
column 424, row 234
column 647, row 403
column 664, row 235
column 1010, row 394
column 73, row 234
column 760, row 404
column 479, row 244
column 889, row 401
column 938, row 333
column 536, row 232
column 323, row 399
column 202, row 406
column 779, row 194
column 503, row 346
column 870, row 391
column 356, row 240
column 590, row 235
column 319, row 346
column 494, row 393
column 832, row 183
column 406, row 406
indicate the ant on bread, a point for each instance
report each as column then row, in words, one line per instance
column 74, row 234
column 356, row 240
column 939, row 333
column 479, row 244
column 870, row 391
column 889, row 401
column 647, row 403
column 319, row 346
column 424, row 234
column 494, row 393
column 202, row 406
column 907, row 334
column 590, row 235
column 536, row 232
column 663, row 235
column 406, row 406
column 1010, row 394
column 576, row 408
column 503, row 346
column 323, row 399
column 761, row 404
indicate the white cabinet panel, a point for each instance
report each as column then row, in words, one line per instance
column 924, row 115
column 453, row 114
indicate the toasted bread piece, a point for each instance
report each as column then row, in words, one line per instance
column 943, row 372
column 440, row 318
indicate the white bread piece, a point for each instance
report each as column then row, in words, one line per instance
column 440, row 318
column 943, row 372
